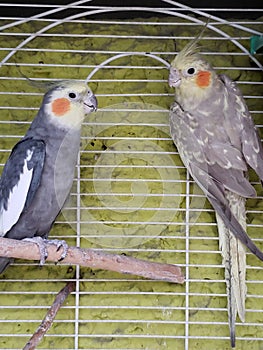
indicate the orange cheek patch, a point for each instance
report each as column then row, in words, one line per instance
column 203, row 78
column 60, row 106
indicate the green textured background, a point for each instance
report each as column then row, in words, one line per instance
column 162, row 301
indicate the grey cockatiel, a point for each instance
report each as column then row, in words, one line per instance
column 217, row 141
column 38, row 175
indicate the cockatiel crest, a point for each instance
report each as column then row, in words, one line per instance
column 190, row 71
column 217, row 140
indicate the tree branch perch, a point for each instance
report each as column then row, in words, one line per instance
column 50, row 316
column 11, row 248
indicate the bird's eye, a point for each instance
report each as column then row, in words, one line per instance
column 72, row 95
column 190, row 71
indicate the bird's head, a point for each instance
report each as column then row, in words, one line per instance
column 190, row 74
column 67, row 103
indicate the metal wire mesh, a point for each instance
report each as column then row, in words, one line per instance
column 131, row 193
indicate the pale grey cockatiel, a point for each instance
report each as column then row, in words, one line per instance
column 217, row 141
column 38, row 175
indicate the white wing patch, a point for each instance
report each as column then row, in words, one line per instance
column 17, row 198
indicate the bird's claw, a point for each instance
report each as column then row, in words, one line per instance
column 42, row 246
column 59, row 244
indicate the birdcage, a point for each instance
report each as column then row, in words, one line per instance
column 131, row 193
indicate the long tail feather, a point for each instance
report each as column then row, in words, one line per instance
column 234, row 260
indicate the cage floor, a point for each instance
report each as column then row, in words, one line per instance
column 131, row 194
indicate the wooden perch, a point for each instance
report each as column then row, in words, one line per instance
column 50, row 316
column 94, row 259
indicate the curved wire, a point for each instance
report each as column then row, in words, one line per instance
column 202, row 13
column 120, row 9
column 58, row 22
column 219, row 31
column 46, row 28
column 115, row 57
column 43, row 14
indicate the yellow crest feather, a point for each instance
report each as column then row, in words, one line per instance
column 191, row 50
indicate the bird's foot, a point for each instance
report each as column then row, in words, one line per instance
column 40, row 242
column 42, row 246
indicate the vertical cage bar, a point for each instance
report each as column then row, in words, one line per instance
column 187, row 246
column 76, row 339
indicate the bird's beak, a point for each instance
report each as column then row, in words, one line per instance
column 174, row 77
column 90, row 104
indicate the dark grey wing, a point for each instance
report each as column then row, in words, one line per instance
column 212, row 178
column 20, row 180
column 250, row 141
